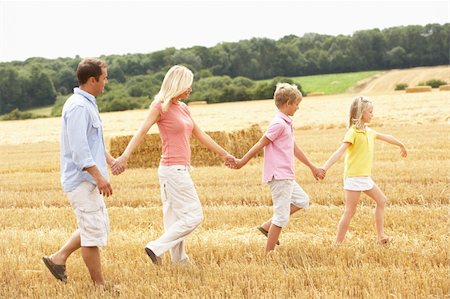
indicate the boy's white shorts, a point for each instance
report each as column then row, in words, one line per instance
column 359, row 183
column 92, row 217
column 285, row 193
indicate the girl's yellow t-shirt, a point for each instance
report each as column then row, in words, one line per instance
column 359, row 155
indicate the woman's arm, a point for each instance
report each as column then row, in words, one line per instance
column 336, row 155
column 207, row 141
column 392, row 140
column 121, row 163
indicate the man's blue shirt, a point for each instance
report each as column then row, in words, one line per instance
column 82, row 143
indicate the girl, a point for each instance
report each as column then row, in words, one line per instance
column 182, row 211
column 358, row 145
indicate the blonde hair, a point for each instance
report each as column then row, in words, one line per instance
column 358, row 106
column 176, row 81
column 286, row 92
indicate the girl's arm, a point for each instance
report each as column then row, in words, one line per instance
column 392, row 140
column 336, row 155
column 207, row 141
column 253, row 151
column 121, row 163
column 300, row 155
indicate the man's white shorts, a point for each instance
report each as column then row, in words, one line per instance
column 358, row 183
column 92, row 217
column 285, row 193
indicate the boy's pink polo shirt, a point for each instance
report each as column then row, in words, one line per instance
column 175, row 128
column 279, row 154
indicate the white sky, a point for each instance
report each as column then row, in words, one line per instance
column 63, row 28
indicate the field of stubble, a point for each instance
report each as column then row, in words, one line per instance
column 227, row 250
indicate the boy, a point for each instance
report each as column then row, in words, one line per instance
column 278, row 171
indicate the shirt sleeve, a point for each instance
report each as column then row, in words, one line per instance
column 274, row 131
column 349, row 136
column 78, row 120
column 158, row 106
column 185, row 108
column 373, row 133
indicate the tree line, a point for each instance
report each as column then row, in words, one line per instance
column 229, row 70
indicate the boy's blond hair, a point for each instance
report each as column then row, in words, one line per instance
column 286, row 93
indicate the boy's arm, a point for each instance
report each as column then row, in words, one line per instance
column 392, row 140
column 336, row 155
column 300, row 155
column 253, row 151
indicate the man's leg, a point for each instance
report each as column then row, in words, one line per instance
column 91, row 257
column 60, row 257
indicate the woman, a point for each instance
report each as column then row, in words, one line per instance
column 182, row 211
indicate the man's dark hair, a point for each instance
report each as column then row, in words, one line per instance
column 89, row 67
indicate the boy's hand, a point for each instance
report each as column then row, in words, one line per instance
column 239, row 164
column 403, row 151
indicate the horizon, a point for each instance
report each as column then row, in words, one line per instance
column 205, row 27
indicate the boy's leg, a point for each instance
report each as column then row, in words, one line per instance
column 267, row 224
column 380, row 199
column 272, row 237
column 91, row 257
column 351, row 202
column 60, row 257
column 281, row 198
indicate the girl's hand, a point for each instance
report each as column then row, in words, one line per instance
column 403, row 151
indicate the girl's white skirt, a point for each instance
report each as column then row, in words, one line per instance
column 358, row 183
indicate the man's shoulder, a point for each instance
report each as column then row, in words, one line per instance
column 74, row 102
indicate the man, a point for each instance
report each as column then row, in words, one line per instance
column 84, row 175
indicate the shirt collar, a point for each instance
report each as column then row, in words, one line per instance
column 359, row 130
column 85, row 94
column 285, row 117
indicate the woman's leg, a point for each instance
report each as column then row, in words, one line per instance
column 351, row 202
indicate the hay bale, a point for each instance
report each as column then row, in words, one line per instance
column 148, row 153
column 444, row 87
column 197, row 103
column 315, row 94
column 418, row 89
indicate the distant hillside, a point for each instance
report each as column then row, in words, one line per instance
column 387, row 81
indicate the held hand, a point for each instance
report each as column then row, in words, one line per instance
column 239, row 164
column 321, row 173
column 318, row 173
column 104, row 187
column 403, row 151
column 119, row 165
column 229, row 161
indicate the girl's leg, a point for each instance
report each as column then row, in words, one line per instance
column 380, row 199
column 267, row 224
column 351, row 202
